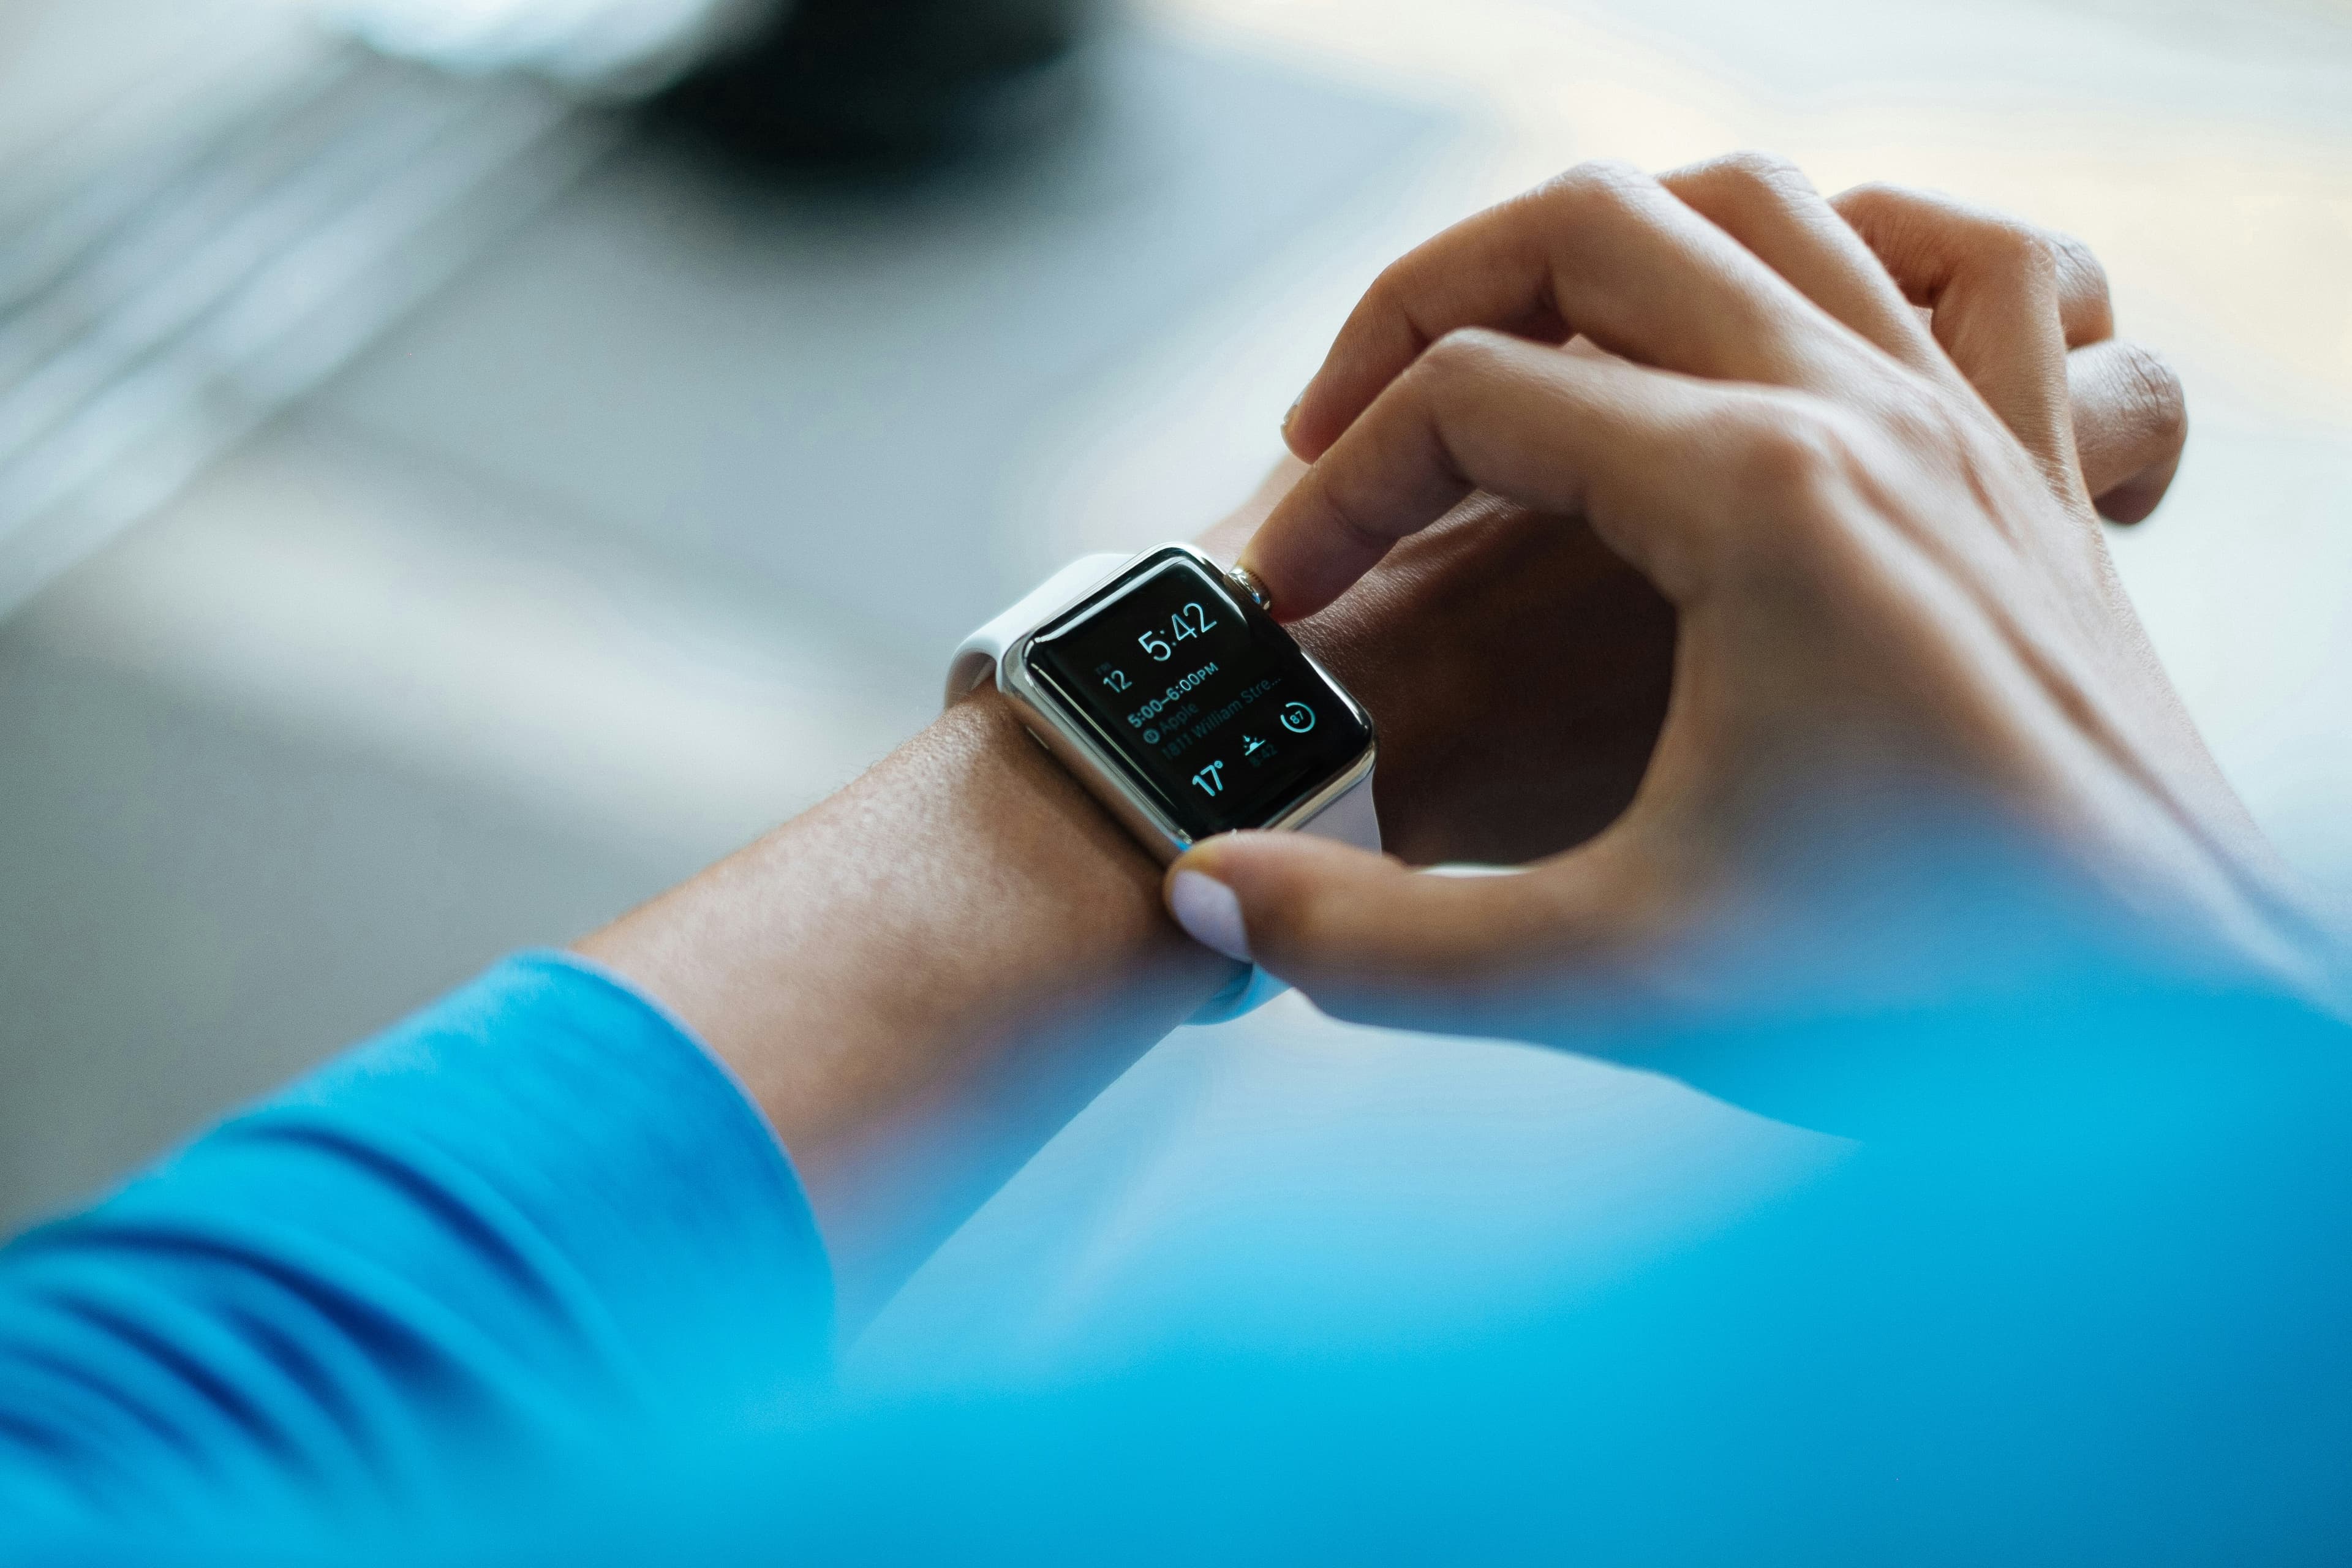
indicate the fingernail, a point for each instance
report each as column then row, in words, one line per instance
column 1291, row 415
column 1209, row 913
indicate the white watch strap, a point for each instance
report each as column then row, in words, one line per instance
column 976, row 660
column 1351, row 819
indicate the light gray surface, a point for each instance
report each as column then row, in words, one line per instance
column 2280, row 62
column 826, row 386
column 327, row 736
column 198, row 905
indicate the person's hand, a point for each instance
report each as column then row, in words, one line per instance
column 1515, row 669
column 1518, row 669
column 1877, row 532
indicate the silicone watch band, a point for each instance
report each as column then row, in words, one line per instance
column 1351, row 819
column 976, row 660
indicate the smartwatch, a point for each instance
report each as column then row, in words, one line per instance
column 1164, row 684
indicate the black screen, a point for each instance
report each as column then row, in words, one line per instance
column 1213, row 709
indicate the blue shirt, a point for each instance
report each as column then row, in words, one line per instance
column 529, row 1280
column 523, row 1215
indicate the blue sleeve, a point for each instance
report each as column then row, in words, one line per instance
column 523, row 1210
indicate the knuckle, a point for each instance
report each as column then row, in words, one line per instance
column 1742, row 189
column 1874, row 194
column 2077, row 264
column 1795, row 452
column 1350, row 517
column 2156, row 407
column 1464, row 350
column 1390, row 292
column 2081, row 282
column 1882, row 213
column 2020, row 250
column 1602, row 185
column 1758, row 175
column 1881, row 208
column 1922, row 420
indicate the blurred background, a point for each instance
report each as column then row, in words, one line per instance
column 464, row 464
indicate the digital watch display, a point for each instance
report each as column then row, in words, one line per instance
column 1169, row 693
column 1203, row 701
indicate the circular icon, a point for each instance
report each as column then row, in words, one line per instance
column 1151, row 737
column 1297, row 718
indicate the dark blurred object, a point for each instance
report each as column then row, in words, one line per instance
column 615, row 50
column 888, row 81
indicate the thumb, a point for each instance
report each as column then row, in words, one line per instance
column 1367, row 938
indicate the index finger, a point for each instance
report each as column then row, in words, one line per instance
column 1652, row 460
column 1604, row 251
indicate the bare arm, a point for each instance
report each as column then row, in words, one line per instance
column 921, row 979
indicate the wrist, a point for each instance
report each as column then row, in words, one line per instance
column 1072, row 900
column 923, row 977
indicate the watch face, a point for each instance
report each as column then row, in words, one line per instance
column 1207, row 705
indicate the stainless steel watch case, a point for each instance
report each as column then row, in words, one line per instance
column 1075, row 745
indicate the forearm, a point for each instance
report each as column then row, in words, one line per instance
column 921, row 979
